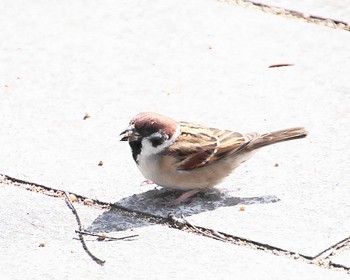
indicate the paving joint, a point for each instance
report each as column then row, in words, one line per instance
column 326, row 255
column 329, row 22
column 322, row 259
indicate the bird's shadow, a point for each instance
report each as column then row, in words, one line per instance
column 153, row 202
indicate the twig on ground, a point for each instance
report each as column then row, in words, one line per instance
column 211, row 234
column 81, row 237
column 280, row 65
column 104, row 236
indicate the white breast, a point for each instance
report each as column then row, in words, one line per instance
column 148, row 159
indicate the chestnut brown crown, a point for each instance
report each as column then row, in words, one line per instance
column 147, row 123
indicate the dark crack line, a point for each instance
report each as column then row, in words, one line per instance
column 333, row 248
column 225, row 237
column 45, row 190
column 326, row 255
column 139, row 214
column 336, row 265
column 329, row 22
column 182, row 224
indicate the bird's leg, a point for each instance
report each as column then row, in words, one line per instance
column 146, row 182
column 183, row 197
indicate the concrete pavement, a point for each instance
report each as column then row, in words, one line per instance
column 201, row 61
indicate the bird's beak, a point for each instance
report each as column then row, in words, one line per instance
column 126, row 134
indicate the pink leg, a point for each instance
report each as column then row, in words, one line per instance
column 183, row 197
column 146, row 182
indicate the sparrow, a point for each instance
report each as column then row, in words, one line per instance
column 192, row 157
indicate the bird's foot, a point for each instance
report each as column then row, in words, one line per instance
column 183, row 197
column 146, row 182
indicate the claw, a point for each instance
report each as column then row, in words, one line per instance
column 183, row 197
column 146, row 182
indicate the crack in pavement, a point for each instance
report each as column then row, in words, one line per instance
column 322, row 259
column 329, row 22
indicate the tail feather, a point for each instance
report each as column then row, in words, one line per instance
column 278, row 136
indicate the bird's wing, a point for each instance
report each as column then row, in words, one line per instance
column 199, row 146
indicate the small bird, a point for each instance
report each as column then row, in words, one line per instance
column 192, row 157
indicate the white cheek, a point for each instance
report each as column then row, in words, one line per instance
column 148, row 149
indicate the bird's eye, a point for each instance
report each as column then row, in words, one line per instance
column 145, row 130
column 148, row 130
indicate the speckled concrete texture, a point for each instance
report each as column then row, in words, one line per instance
column 202, row 61
column 157, row 253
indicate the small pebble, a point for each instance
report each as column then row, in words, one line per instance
column 296, row 256
column 88, row 201
column 72, row 197
column 86, row 116
column 102, row 237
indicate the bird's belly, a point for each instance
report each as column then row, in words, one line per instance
column 163, row 172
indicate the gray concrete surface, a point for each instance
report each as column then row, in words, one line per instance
column 201, row 61
column 158, row 253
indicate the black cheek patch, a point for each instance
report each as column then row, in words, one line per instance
column 135, row 148
column 157, row 140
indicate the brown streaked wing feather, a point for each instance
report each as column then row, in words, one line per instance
column 233, row 143
column 198, row 146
